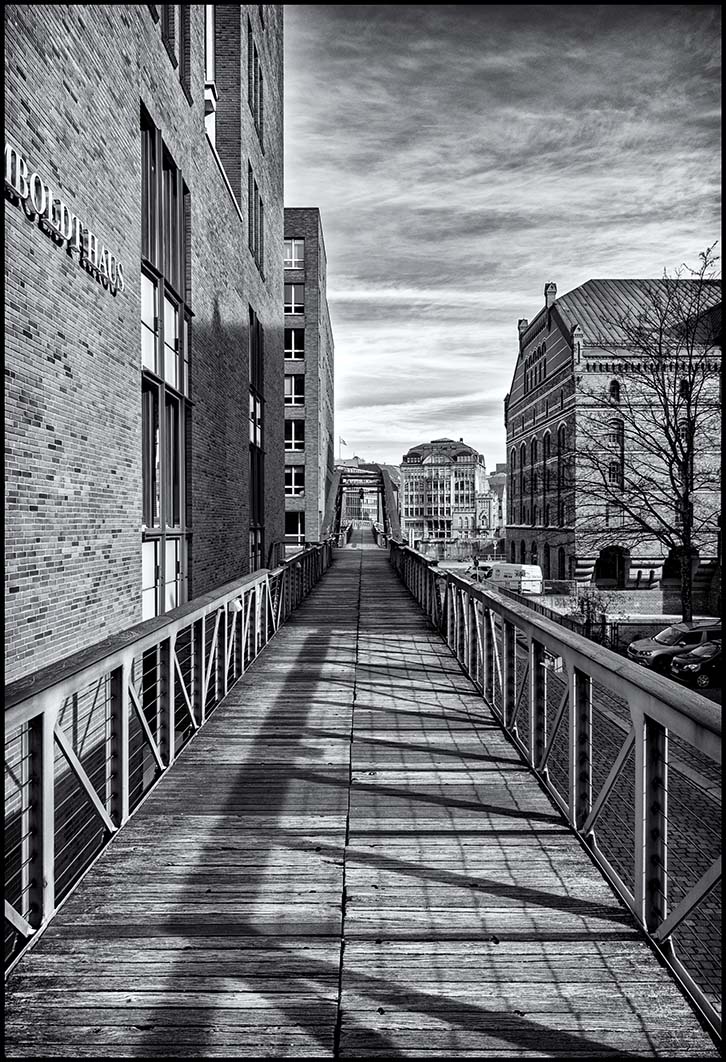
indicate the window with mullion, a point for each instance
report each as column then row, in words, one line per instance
column 165, row 357
column 295, row 343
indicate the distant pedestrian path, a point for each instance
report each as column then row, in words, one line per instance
column 350, row 860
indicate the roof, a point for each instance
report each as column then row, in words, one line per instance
column 443, row 447
column 597, row 305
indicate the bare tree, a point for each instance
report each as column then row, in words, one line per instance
column 647, row 449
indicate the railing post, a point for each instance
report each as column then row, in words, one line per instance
column 472, row 658
column 166, row 699
column 509, row 668
column 487, row 641
column 651, row 822
column 580, row 753
column 199, row 633
column 537, row 700
column 42, row 816
column 119, row 804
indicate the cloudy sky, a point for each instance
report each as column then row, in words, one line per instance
column 461, row 156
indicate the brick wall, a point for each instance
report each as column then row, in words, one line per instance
column 73, row 367
column 304, row 223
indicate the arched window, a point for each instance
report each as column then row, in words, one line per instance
column 614, row 391
column 533, row 554
column 513, row 553
column 522, row 552
column 684, row 388
column 534, row 451
column 514, row 459
column 561, row 563
column 616, row 433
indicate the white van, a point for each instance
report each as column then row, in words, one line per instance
column 525, row 578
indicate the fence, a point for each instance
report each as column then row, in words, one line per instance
column 86, row 740
column 631, row 759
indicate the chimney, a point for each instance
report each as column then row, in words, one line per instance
column 461, row 440
column 550, row 293
column 522, row 325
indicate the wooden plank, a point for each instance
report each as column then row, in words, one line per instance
column 474, row 922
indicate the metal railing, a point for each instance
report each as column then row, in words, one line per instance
column 631, row 759
column 87, row 739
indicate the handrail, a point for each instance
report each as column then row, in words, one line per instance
column 119, row 712
column 502, row 644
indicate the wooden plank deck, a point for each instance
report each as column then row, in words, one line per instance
column 348, row 861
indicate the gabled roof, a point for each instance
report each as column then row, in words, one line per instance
column 597, row 305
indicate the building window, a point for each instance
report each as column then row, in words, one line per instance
column 256, row 433
column 294, row 435
column 294, row 254
column 614, row 391
column 615, row 474
column 616, row 433
column 295, row 529
column 294, row 298
column 209, row 45
column 255, row 221
column 295, row 343
column 255, row 94
column 165, row 355
column 294, row 479
column 295, row 390
column 614, row 515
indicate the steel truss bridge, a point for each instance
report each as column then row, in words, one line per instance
column 356, row 807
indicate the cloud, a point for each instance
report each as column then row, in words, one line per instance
column 461, row 156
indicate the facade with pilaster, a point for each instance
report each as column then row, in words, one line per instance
column 566, row 387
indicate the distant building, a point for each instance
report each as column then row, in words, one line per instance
column 563, row 362
column 443, row 483
column 309, row 374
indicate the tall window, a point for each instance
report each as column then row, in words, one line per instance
column 294, row 479
column 295, row 390
column 294, row 435
column 295, row 529
column 257, row 453
column 614, row 391
column 294, row 254
column 255, row 221
column 295, row 343
column 255, row 91
column 165, row 356
column 209, row 44
column 294, row 298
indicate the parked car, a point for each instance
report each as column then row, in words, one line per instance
column 702, row 665
column 680, row 638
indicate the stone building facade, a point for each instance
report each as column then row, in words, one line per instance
column 144, row 332
column 443, row 483
column 309, row 378
column 568, row 387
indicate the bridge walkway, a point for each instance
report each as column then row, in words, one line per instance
column 348, row 861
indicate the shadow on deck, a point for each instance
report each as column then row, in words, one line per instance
column 350, row 860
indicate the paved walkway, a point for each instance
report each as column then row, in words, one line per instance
column 348, row 861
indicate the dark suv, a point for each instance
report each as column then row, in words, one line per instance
column 681, row 638
column 702, row 665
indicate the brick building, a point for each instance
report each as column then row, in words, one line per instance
column 144, row 333
column 566, row 410
column 309, row 378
